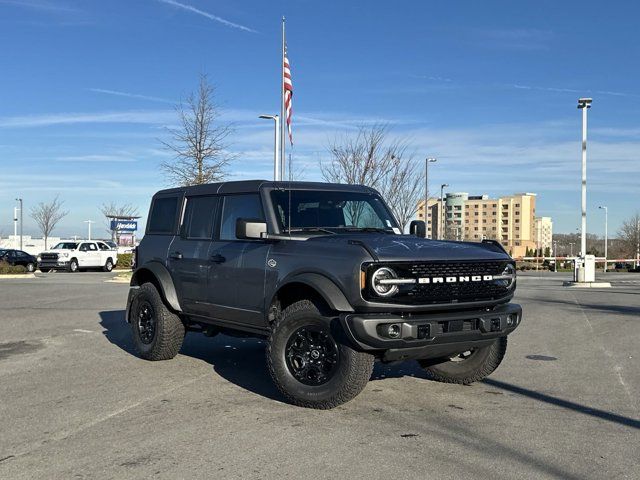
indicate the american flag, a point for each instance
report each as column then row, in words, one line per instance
column 288, row 93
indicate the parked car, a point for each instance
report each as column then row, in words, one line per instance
column 74, row 256
column 18, row 257
column 324, row 274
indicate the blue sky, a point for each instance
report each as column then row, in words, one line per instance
column 87, row 89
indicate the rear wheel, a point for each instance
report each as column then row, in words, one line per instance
column 108, row 266
column 467, row 367
column 30, row 267
column 158, row 333
column 311, row 362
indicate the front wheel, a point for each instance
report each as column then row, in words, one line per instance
column 73, row 265
column 31, row 267
column 467, row 367
column 311, row 362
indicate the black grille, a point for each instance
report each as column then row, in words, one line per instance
column 49, row 256
column 442, row 293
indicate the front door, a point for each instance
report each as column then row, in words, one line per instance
column 236, row 279
column 188, row 258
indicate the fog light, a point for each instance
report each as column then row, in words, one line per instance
column 390, row 330
column 512, row 320
column 495, row 324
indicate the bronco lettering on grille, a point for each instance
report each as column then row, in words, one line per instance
column 456, row 279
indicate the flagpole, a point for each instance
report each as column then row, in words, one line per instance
column 283, row 117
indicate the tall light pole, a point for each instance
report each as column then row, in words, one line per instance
column 584, row 104
column 441, row 218
column 571, row 244
column 21, row 218
column 427, row 161
column 276, row 145
column 606, row 233
column 89, row 222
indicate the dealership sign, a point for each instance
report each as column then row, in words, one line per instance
column 124, row 226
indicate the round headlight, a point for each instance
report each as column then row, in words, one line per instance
column 508, row 275
column 380, row 286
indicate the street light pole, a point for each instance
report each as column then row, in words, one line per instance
column 442, row 220
column 427, row 161
column 584, row 104
column 606, row 233
column 571, row 244
column 21, row 218
column 89, row 222
column 276, row 145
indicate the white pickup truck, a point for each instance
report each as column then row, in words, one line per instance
column 74, row 256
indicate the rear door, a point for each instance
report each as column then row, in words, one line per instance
column 236, row 278
column 188, row 259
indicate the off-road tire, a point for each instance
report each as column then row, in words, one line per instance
column 479, row 365
column 108, row 265
column 351, row 373
column 30, row 267
column 71, row 268
column 169, row 330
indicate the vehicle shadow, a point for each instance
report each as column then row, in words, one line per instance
column 241, row 361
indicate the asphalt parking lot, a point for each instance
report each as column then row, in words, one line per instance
column 76, row 403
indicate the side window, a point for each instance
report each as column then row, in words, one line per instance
column 84, row 247
column 163, row 215
column 92, row 247
column 199, row 216
column 103, row 246
column 238, row 206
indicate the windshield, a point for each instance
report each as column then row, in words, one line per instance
column 66, row 246
column 332, row 212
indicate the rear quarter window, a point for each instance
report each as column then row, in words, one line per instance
column 162, row 218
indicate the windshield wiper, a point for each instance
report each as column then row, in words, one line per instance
column 311, row 229
column 366, row 229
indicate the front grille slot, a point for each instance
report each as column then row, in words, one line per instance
column 49, row 256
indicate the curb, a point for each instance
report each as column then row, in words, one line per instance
column 17, row 275
column 586, row 284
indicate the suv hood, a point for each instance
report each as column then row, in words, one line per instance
column 407, row 248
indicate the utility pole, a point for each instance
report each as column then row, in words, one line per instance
column 442, row 219
column 427, row 161
column 584, row 104
column 89, row 222
column 606, row 233
column 276, row 145
column 15, row 227
column 571, row 244
column 21, row 219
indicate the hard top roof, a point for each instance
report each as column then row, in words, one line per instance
column 250, row 186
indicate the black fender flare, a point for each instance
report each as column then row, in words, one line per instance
column 163, row 281
column 325, row 287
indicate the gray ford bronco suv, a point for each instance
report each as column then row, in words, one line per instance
column 325, row 275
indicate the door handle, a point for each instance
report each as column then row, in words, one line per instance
column 217, row 258
column 176, row 255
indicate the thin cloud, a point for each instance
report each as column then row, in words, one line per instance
column 210, row 16
column 130, row 95
column 570, row 90
column 46, row 120
column 39, row 5
column 95, row 158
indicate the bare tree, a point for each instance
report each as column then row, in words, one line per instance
column 629, row 235
column 47, row 216
column 112, row 209
column 199, row 144
column 369, row 158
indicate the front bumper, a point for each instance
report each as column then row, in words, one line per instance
column 52, row 264
column 430, row 335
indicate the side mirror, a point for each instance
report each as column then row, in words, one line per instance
column 250, row 228
column 418, row 228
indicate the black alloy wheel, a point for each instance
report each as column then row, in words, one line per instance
column 312, row 355
column 146, row 319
